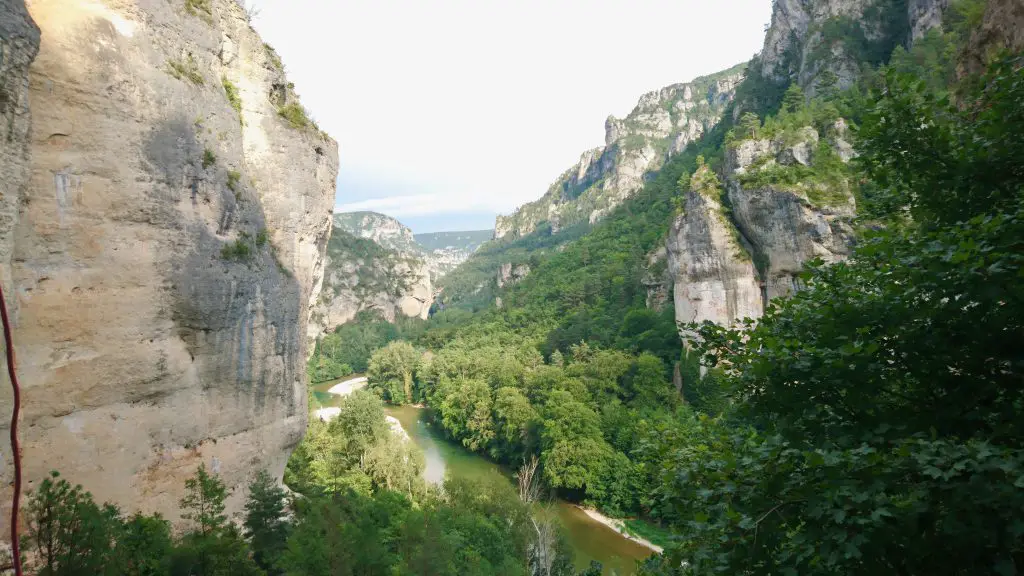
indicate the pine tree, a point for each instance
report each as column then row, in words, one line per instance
column 265, row 524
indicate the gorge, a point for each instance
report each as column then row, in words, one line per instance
column 773, row 323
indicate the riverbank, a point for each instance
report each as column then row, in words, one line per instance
column 620, row 527
column 348, row 386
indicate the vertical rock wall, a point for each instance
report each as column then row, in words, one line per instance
column 167, row 249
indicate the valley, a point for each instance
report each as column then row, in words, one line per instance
column 772, row 325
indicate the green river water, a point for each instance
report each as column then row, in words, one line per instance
column 590, row 539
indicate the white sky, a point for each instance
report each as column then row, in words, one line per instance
column 448, row 112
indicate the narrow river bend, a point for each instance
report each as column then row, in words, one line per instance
column 590, row 539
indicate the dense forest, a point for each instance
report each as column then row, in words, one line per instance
column 868, row 424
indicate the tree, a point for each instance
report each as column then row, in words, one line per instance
column 391, row 372
column 793, row 99
column 466, row 411
column 144, row 546
column 203, row 502
column 266, row 526
column 879, row 408
column 749, row 125
column 359, row 425
column 213, row 547
column 68, row 532
column 514, row 417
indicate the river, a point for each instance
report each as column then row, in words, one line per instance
column 590, row 539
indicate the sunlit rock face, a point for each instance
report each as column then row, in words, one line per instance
column 165, row 249
column 662, row 124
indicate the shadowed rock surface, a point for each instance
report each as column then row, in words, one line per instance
column 167, row 248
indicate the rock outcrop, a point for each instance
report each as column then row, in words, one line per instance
column 165, row 250
column 365, row 275
column 1002, row 29
column 789, row 202
column 444, row 251
column 818, row 42
column 376, row 263
column 713, row 276
column 788, row 195
column 509, row 274
column 662, row 124
column 382, row 229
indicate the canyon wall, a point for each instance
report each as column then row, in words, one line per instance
column 375, row 264
column 784, row 198
column 662, row 124
column 165, row 250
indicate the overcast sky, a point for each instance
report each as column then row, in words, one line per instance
column 448, row 112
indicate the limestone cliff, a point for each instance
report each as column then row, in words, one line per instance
column 785, row 196
column 444, row 251
column 819, row 42
column 662, row 124
column 713, row 276
column 165, row 249
column 789, row 201
column 382, row 229
column 373, row 263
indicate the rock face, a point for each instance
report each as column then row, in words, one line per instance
column 713, row 276
column 365, row 276
column 801, row 44
column 662, row 124
column 510, row 274
column 382, row 229
column 376, row 263
column 373, row 263
column 1002, row 28
column 19, row 44
column 166, row 248
column 444, row 251
column 788, row 194
column 787, row 225
column 727, row 266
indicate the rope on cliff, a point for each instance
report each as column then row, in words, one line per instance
column 15, row 447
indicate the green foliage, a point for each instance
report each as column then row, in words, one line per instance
column 262, row 237
column 238, row 250
column 272, row 56
column 233, row 178
column 187, row 70
column 203, row 502
column 356, row 451
column 196, row 6
column 352, row 343
column 70, row 535
column 209, row 158
column 266, row 525
column 68, row 532
column 234, row 98
column 296, row 115
column 470, row 528
column 390, row 372
column 859, row 445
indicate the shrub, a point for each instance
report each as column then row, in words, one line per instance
column 237, row 250
column 262, row 236
column 275, row 60
column 233, row 177
column 187, row 70
column 196, row 6
column 209, row 158
column 295, row 114
column 233, row 97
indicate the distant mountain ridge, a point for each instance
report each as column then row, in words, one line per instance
column 374, row 262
